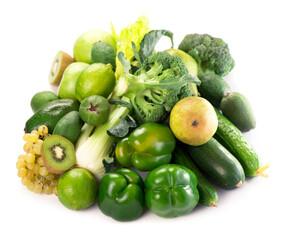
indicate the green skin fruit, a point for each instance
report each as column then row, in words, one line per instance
column 103, row 52
column 237, row 108
column 121, row 195
column 213, row 88
column 190, row 64
column 218, row 163
column 96, row 79
column 208, row 194
column 67, row 86
column 171, row 190
column 69, row 126
column 148, row 146
column 94, row 110
column 42, row 98
column 77, row 189
column 50, row 114
column 83, row 45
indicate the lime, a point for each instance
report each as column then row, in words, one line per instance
column 102, row 52
column 83, row 45
column 77, row 189
column 96, row 79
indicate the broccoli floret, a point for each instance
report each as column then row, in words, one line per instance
column 161, row 81
column 212, row 54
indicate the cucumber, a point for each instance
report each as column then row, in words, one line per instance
column 41, row 98
column 213, row 88
column 236, row 107
column 69, row 126
column 208, row 194
column 50, row 114
column 218, row 164
column 236, row 142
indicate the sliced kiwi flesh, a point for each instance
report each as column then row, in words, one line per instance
column 58, row 154
column 60, row 63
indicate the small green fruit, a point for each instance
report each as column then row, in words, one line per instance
column 83, row 45
column 42, row 98
column 94, row 110
column 102, row 52
column 96, row 79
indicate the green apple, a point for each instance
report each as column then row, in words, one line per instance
column 83, row 45
column 67, row 86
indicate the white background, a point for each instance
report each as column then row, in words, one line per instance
column 31, row 34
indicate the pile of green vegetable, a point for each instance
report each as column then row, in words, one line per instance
column 110, row 121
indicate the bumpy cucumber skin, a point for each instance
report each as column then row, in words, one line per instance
column 208, row 194
column 218, row 164
column 50, row 114
column 69, row 126
column 213, row 88
column 236, row 142
column 237, row 108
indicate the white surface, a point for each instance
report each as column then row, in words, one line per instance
column 31, row 34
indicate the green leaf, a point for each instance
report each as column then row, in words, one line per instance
column 150, row 41
column 120, row 130
column 110, row 164
column 116, row 101
column 125, row 63
column 136, row 54
column 131, row 121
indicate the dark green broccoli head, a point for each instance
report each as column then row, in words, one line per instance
column 212, row 54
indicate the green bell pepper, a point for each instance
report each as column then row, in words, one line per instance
column 148, row 146
column 171, row 190
column 121, row 195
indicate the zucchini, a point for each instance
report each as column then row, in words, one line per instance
column 213, row 88
column 208, row 194
column 236, row 142
column 218, row 164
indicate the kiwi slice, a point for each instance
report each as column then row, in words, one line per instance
column 58, row 154
column 60, row 63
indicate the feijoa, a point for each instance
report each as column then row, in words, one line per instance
column 58, row 154
column 94, row 110
column 103, row 52
column 42, row 98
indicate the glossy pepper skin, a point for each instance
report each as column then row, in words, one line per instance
column 148, row 146
column 121, row 195
column 171, row 190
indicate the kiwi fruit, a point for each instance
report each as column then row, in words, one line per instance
column 60, row 63
column 58, row 154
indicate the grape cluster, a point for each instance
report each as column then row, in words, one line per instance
column 30, row 165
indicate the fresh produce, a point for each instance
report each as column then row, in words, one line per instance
column 212, row 54
column 193, row 120
column 30, row 165
column 77, row 189
column 208, row 194
column 161, row 81
column 60, row 63
column 68, row 83
column 58, row 154
column 83, row 45
column 69, row 126
column 103, row 52
column 237, row 108
column 96, row 79
column 148, row 146
column 190, row 64
column 50, row 114
column 94, row 110
column 213, row 88
column 41, row 98
column 236, row 142
column 121, row 105
column 171, row 190
column 218, row 163
column 121, row 195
